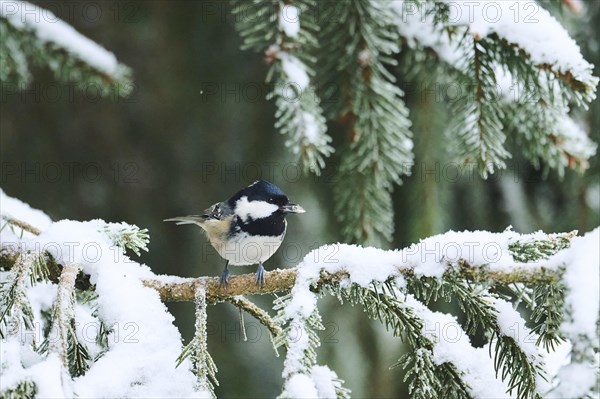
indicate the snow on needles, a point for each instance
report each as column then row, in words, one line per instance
column 581, row 262
column 453, row 345
column 432, row 257
column 295, row 71
column 527, row 25
column 289, row 20
column 417, row 26
column 522, row 23
column 142, row 341
column 14, row 208
column 50, row 29
column 573, row 139
column 144, row 336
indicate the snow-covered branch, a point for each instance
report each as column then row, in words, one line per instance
column 176, row 289
column 33, row 33
column 281, row 280
column 476, row 269
column 522, row 76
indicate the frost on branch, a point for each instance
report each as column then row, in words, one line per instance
column 126, row 236
column 203, row 365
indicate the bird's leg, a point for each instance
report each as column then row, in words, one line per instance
column 260, row 276
column 224, row 276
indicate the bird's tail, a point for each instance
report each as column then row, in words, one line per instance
column 191, row 219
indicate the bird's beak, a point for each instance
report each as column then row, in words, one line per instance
column 292, row 208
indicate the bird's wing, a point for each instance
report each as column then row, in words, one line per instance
column 217, row 211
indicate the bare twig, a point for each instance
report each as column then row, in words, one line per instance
column 22, row 225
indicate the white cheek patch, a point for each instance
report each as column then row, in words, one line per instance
column 253, row 209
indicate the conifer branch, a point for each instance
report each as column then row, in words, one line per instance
column 28, row 39
column 258, row 313
column 203, row 365
column 14, row 305
column 71, row 353
column 280, row 280
column 283, row 280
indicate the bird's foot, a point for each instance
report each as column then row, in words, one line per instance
column 224, row 278
column 260, row 276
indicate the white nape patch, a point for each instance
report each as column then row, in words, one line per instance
column 253, row 209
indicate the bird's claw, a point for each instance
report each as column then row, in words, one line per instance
column 260, row 276
column 223, row 279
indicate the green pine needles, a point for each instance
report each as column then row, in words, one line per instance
column 349, row 51
column 32, row 36
column 275, row 29
column 57, row 334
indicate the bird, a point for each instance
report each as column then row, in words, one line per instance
column 246, row 229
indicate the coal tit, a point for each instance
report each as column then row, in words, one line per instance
column 247, row 228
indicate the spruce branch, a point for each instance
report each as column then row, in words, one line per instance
column 478, row 125
column 537, row 249
column 72, row 353
column 285, row 33
column 381, row 302
column 26, row 40
column 203, row 365
column 15, row 310
column 546, row 303
column 573, row 88
column 536, row 111
column 280, row 280
column 371, row 105
column 126, row 236
column 259, row 314
column 25, row 389
column 515, row 362
column 419, row 366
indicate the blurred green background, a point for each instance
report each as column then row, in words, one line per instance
column 197, row 128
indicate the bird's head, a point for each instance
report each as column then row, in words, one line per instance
column 261, row 199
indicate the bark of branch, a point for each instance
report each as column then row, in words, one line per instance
column 244, row 284
column 284, row 280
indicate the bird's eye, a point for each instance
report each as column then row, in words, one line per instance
column 278, row 200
